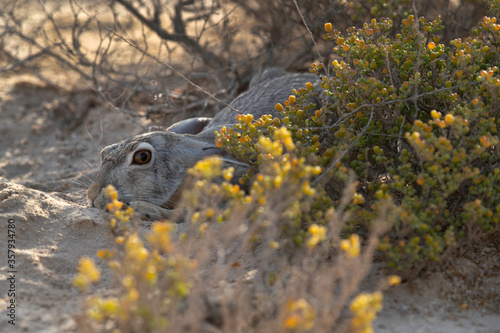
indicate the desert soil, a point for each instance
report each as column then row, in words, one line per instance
column 48, row 156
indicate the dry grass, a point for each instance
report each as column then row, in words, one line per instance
column 241, row 274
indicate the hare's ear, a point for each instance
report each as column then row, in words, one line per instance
column 190, row 126
column 266, row 75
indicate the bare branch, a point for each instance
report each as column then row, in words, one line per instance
column 180, row 36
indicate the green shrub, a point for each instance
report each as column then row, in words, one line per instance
column 415, row 120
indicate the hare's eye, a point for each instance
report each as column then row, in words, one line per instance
column 141, row 157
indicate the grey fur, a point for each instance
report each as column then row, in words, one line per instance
column 190, row 126
column 151, row 187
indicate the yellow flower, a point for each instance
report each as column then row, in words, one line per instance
column 274, row 245
column 100, row 308
column 195, row 217
column 318, row 230
column 364, row 308
column 308, row 190
column 284, row 135
column 420, row 181
column 111, row 192
column 128, row 282
column 435, row 114
column 115, row 205
column 105, row 254
column 351, row 246
column 278, row 180
column 249, row 118
column 292, row 322
column 484, row 141
column 273, row 148
column 203, row 227
column 394, row 280
column 135, row 249
column 328, row 27
column 228, row 173
column 124, row 216
column 115, row 265
column 88, row 268
column 209, row 167
column 449, row 119
column 358, row 199
column 133, row 294
column 318, row 234
column 87, row 272
column 160, row 236
column 300, row 315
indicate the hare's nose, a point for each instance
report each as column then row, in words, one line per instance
column 93, row 193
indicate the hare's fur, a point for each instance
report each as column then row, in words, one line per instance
column 151, row 188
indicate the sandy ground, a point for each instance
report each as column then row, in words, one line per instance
column 47, row 159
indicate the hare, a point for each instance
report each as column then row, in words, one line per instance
column 148, row 170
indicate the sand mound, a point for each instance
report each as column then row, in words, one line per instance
column 51, row 234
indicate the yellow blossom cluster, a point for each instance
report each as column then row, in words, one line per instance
column 138, row 267
column 87, row 273
column 299, row 315
column 364, row 308
column 318, row 234
column 160, row 236
column 208, row 168
column 115, row 207
column 351, row 246
column 270, row 148
column 358, row 199
column 283, row 135
column 394, row 280
column 100, row 308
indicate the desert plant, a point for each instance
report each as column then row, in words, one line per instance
column 416, row 121
column 160, row 286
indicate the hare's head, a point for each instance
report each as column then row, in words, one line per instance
column 150, row 167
